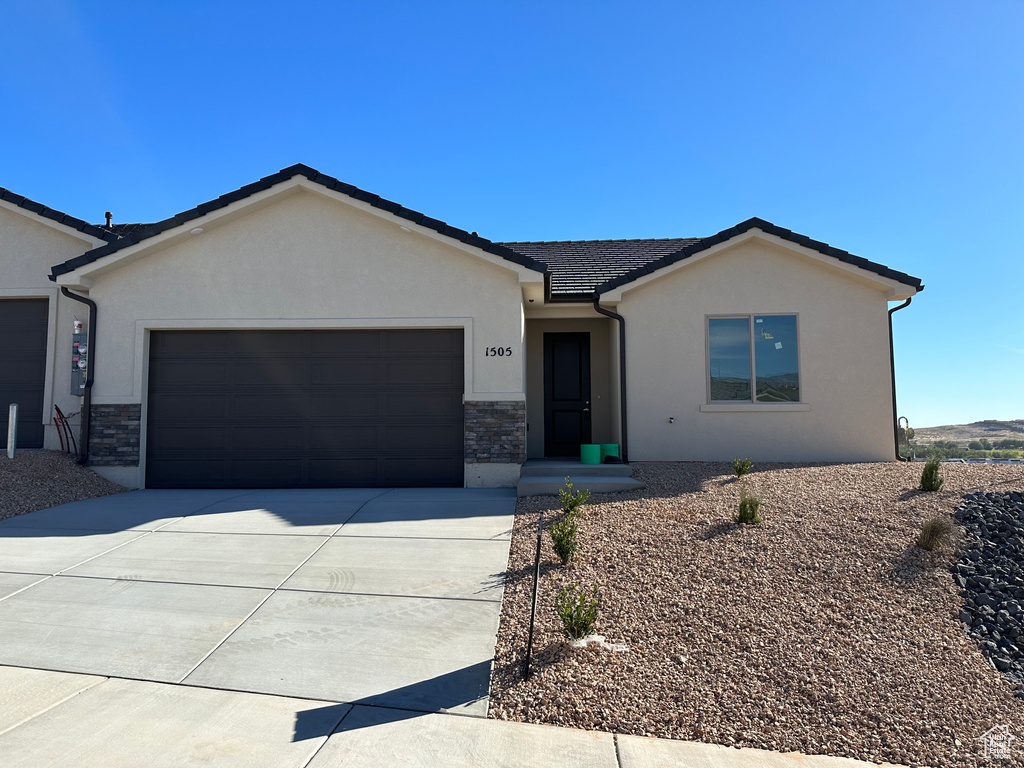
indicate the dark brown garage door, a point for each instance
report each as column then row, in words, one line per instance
column 314, row 409
column 23, row 367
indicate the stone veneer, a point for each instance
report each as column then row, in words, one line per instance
column 496, row 432
column 114, row 435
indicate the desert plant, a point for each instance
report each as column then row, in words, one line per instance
column 578, row 610
column 936, row 532
column 563, row 538
column 741, row 466
column 572, row 502
column 750, row 509
column 931, row 479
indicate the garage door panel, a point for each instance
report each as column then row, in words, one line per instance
column 190, row 440
column 188, row 473
column 281, row 405
column 260, row 372
column 259, row 439
column 347, row 344
column 180, row 373
column 193, row 407
column 344, row 438
column 263, row 473
column 443, row 438
column 23, row 340
column 164, row 344
column 32, row 311
column 439, row 404
column 319, row 408
column 23, row 375
column 423, row 371
column 359, row 373
column 23, row 337
column 352, row 472
column 348, row 404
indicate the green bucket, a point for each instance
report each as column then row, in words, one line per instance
column 590, row 454
column 609, row 449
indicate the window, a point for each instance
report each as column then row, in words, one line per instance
column 765, row 345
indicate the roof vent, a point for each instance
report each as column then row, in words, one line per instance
column 110, row 218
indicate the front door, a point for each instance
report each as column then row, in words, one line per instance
column 566, row 393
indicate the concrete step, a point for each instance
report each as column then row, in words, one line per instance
column 550, row 485
column 551, row 467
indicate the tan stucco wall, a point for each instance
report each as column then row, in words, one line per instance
column 28, row 249
column 844, row 361
column 309, row 261
column 603, row 429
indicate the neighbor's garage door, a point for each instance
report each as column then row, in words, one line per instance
column 315, row 409
column 23, row 367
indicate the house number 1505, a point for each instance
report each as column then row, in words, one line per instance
column 498, row 352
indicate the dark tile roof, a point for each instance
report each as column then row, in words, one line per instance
column 703, row 244
column 150, row 230
column 577, row 269
column 579, row 266
column 122, row 230
column 61, row 218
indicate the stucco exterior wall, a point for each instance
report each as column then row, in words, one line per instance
column 28, row 249
column 844, row 361
column 308, row 261
column 602, row 402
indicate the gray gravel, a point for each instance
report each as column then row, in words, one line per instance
column 823, row 631
column 40, row 479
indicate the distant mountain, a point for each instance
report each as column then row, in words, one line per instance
column 962, row 433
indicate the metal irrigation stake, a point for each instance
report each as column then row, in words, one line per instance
column 533, row 608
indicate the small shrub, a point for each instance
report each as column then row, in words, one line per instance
column 563, row 538
column 931, row 480
column 741, row 466
column 578, row 610
column 750, row 509
column 935, row 533
column 572, row 502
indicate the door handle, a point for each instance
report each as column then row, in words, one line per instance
column 586, row 409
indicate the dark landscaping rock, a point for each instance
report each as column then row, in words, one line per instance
column 990, row 570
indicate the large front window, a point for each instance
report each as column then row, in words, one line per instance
column 753, row 358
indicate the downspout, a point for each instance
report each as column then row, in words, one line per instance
column 622, row 372
column 892, row 371
column 83, row 441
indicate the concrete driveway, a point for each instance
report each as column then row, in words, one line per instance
column 381, row 597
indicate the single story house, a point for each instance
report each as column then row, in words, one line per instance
column 302, row 332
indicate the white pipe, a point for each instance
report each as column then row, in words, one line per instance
column 12, row 430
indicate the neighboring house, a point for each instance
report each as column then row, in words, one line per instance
column 302, row 332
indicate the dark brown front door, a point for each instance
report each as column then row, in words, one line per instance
column 315, row 409
column 23, row 325
column 566, row 393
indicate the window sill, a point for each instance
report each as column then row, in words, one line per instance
column 754, row 407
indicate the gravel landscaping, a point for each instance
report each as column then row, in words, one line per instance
column 824, row 630
column 40, row 479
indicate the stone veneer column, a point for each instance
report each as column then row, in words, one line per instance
column 114, row 435
column 496, row 432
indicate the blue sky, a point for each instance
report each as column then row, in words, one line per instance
column 894, row 130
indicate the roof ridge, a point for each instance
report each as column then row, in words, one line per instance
column 618, row 240
column 115, row 244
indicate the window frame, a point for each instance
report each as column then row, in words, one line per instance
column 753, row 403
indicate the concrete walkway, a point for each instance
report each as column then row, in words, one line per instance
column 384, row 597
column 61, row 719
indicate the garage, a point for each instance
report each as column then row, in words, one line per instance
column 23, row 326
column 311, row 408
